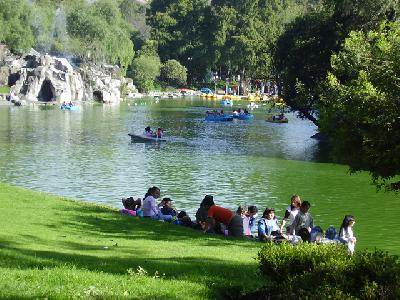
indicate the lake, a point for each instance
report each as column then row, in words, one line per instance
column 88, row 155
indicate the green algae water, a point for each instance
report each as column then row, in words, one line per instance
column 88, row 155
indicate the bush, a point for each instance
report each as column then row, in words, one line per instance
column 145, row 69
column 328, row 271
column 173, row 72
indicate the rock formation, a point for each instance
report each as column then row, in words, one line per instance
column 38, row 77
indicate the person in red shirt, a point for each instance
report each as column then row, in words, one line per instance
column 215, row 213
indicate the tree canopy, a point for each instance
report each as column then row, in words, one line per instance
column 361, row 103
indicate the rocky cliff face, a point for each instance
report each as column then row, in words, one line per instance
column 38, row 77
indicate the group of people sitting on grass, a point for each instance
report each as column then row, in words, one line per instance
column 297, row 223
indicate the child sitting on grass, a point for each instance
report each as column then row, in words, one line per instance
column 268, row 227
column 303, row 219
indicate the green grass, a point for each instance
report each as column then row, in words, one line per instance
column 4, row 90
column 51, row 247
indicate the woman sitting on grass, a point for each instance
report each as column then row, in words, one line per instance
column 290, row 213
column 150, row 208
column 215, row 213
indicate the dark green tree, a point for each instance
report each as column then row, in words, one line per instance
column 173, row 72
column 99, row 32
column 15, row 23
column 361, row 104
column 303, row 51
column 144, row 70
column 179, row 29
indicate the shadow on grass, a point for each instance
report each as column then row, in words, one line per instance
column 213, row 272
column 101, row 226
column 101, row 222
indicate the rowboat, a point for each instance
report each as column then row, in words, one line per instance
column 275, row 119
column 141, row 138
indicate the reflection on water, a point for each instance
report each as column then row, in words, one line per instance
column 88, row 155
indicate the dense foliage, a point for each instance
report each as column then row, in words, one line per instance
column 15, row 20
column 99, row 32
column 246, row 42
column 145, row 69
column 173, row 72
column 327, row 272
column 96, row 31
column 361, row 103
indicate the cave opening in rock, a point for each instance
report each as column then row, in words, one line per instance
column 98, row 96
column 46, row 91
column 13, row 78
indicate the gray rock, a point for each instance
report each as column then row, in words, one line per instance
column 37, row 77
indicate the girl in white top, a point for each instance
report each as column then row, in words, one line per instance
column 150, row 207
column 346, row 234
column 290, row 213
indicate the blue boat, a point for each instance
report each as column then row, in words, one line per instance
column 245, row 117
column 69, row 107
column 219, row 118
column 206, row 90
column 226, row 102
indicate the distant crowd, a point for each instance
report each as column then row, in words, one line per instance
column 297, row 223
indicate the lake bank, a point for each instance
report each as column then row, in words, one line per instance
column 54, row 248
column 88, row 155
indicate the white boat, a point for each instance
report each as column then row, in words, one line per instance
column 141, row 138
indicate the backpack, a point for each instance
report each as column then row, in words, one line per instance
column 331, row 233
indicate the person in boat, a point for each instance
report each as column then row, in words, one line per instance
column 148, row 131
column 246, row 112
column 235, row 112
column 222, row 112
column 159, row 133
column 232, row 221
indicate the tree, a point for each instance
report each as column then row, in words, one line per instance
column 173, row 73
column 16, row 25
column 178, row 26
column 145, row 69
column 302, row 59
column 360, row 104
column 99, row 33
column 303, row 51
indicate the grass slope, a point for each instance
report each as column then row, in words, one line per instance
column 51, row 247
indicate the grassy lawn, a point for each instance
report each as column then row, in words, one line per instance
column 51, row 247
column 4, row 89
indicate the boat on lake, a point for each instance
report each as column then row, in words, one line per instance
column 245, row 117
column 69, row 107
column 226, row 102
column 141, row 138
column 277, row 119
column 218, row 117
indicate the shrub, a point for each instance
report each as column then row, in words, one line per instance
column 173, row 72
column 328, row 271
